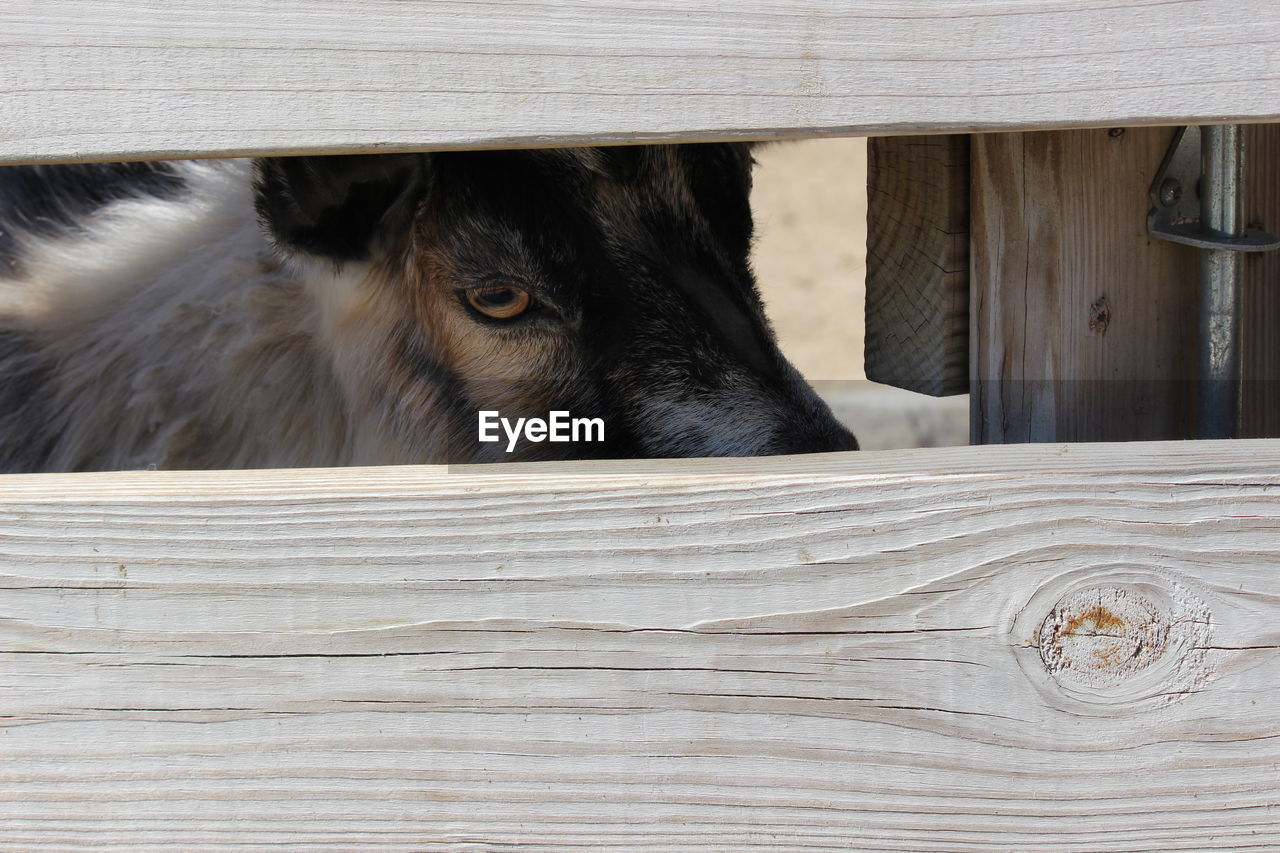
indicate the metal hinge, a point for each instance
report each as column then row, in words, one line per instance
column 1175, row 202
column 1197, row 198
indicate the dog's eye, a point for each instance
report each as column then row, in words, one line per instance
column 501, row 302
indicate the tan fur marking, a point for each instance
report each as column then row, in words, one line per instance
column 515, row 372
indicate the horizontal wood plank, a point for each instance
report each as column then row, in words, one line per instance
column 122, row 79
column 1060, row 647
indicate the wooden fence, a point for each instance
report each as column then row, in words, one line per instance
column 1058, row 647
column 121, row 79
column 1046, row 647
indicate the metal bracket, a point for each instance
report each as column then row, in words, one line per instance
column 1175, row 200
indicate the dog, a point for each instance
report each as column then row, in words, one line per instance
column 365, row 309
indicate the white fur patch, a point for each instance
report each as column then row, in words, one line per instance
column 179, row 338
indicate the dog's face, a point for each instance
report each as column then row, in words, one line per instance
column 611, row 283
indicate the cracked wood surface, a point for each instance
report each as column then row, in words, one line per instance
column 917, row 314
column 121, row 79
column 1083, row 325
column 1048, row 647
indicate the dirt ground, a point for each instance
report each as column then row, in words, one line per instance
column 810, row 202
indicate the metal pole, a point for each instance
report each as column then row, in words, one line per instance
column 1222, row 169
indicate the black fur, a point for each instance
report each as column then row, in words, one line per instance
column 25, row 419
column 337, row 207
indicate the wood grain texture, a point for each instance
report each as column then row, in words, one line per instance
column 120, row 79
column 917, row 322
column 1083, row 325
column 1068, row 648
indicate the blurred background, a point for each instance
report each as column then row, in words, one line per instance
column 810, row 202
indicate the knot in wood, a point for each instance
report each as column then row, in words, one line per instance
column 1130, row 639
column 1100, row 315
column 1101, row 636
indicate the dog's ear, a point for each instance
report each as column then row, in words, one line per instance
column 342, row 207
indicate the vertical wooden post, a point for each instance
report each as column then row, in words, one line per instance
column 1083, row 326
column 1261, row 297
column 917, row 316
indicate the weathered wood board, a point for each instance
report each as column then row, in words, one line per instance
column 1260, row 345
column 917, row 314
column 1083, row 325
column 119, row 79
column 1068, row 648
